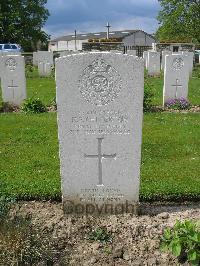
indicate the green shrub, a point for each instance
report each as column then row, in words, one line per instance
column 101, row 235
column 196, row 72
column 147, row 102
column 53, row 103
column 31, row 71
column 183, row 241
column 33, row 106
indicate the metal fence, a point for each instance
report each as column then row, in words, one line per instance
column 139, row 49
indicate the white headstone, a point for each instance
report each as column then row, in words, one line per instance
column 67, row 52
column 176, row 77
column 190, row 57
column 100, row 109
column 45, row 63
column 35, row 58
column 13, row 82
column 164, row 53
column 44, row 69
column 153, row 64
column 45, row 57
column 145, row 56
column 2, row 53
column 131, row 52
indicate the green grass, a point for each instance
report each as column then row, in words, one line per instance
column 29, row 155
column 42, row 88
column 170, row 156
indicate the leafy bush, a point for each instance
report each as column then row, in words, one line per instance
column 101, row 235
column 53, row 103
column 196, row 72
column 31, row 71
column 33, row 106
column 180, row 104
column 183, row 240
column 147, row 102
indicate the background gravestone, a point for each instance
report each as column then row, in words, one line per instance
column 164, row 53
column 145, row 56
column 190, row 57
column 100, row 106
column 45, row 63
column 44, row 69
column 67, row 52
column 153, row 63
column 176, row 77
column 35, row 58
column 13, row 82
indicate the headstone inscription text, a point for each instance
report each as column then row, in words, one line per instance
column 99, row 101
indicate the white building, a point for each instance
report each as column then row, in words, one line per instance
column 129, row 38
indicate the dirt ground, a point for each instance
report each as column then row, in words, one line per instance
column 135, row 239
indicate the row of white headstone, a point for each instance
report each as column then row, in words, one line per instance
column 177, row 70
column 100, row 111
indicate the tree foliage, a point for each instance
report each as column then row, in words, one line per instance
column 21, row 21
column 179, row 21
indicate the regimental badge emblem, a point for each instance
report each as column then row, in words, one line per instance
column 178, row 64
column 100, row 83
column 11, row 64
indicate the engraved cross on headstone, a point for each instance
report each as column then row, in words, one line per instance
column 176, row 85
column 100, row 156
column 12, row 87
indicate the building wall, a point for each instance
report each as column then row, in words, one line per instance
column 175, row 47
column 66, row 45
column 53, row 46
column 138, row 38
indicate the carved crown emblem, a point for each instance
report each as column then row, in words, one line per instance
column 100, row 83
column 178, row 64
column 11, row 64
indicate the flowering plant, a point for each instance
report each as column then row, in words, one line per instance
column 180, row 103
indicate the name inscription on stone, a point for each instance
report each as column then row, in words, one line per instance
column 106, row 122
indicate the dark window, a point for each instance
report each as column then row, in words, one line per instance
column 14, row 46
column 1, row 47
column 175, row 48
column 7, row 46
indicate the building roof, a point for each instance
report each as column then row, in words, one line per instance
column 86, row 36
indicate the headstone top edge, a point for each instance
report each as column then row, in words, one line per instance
column 99, row 53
